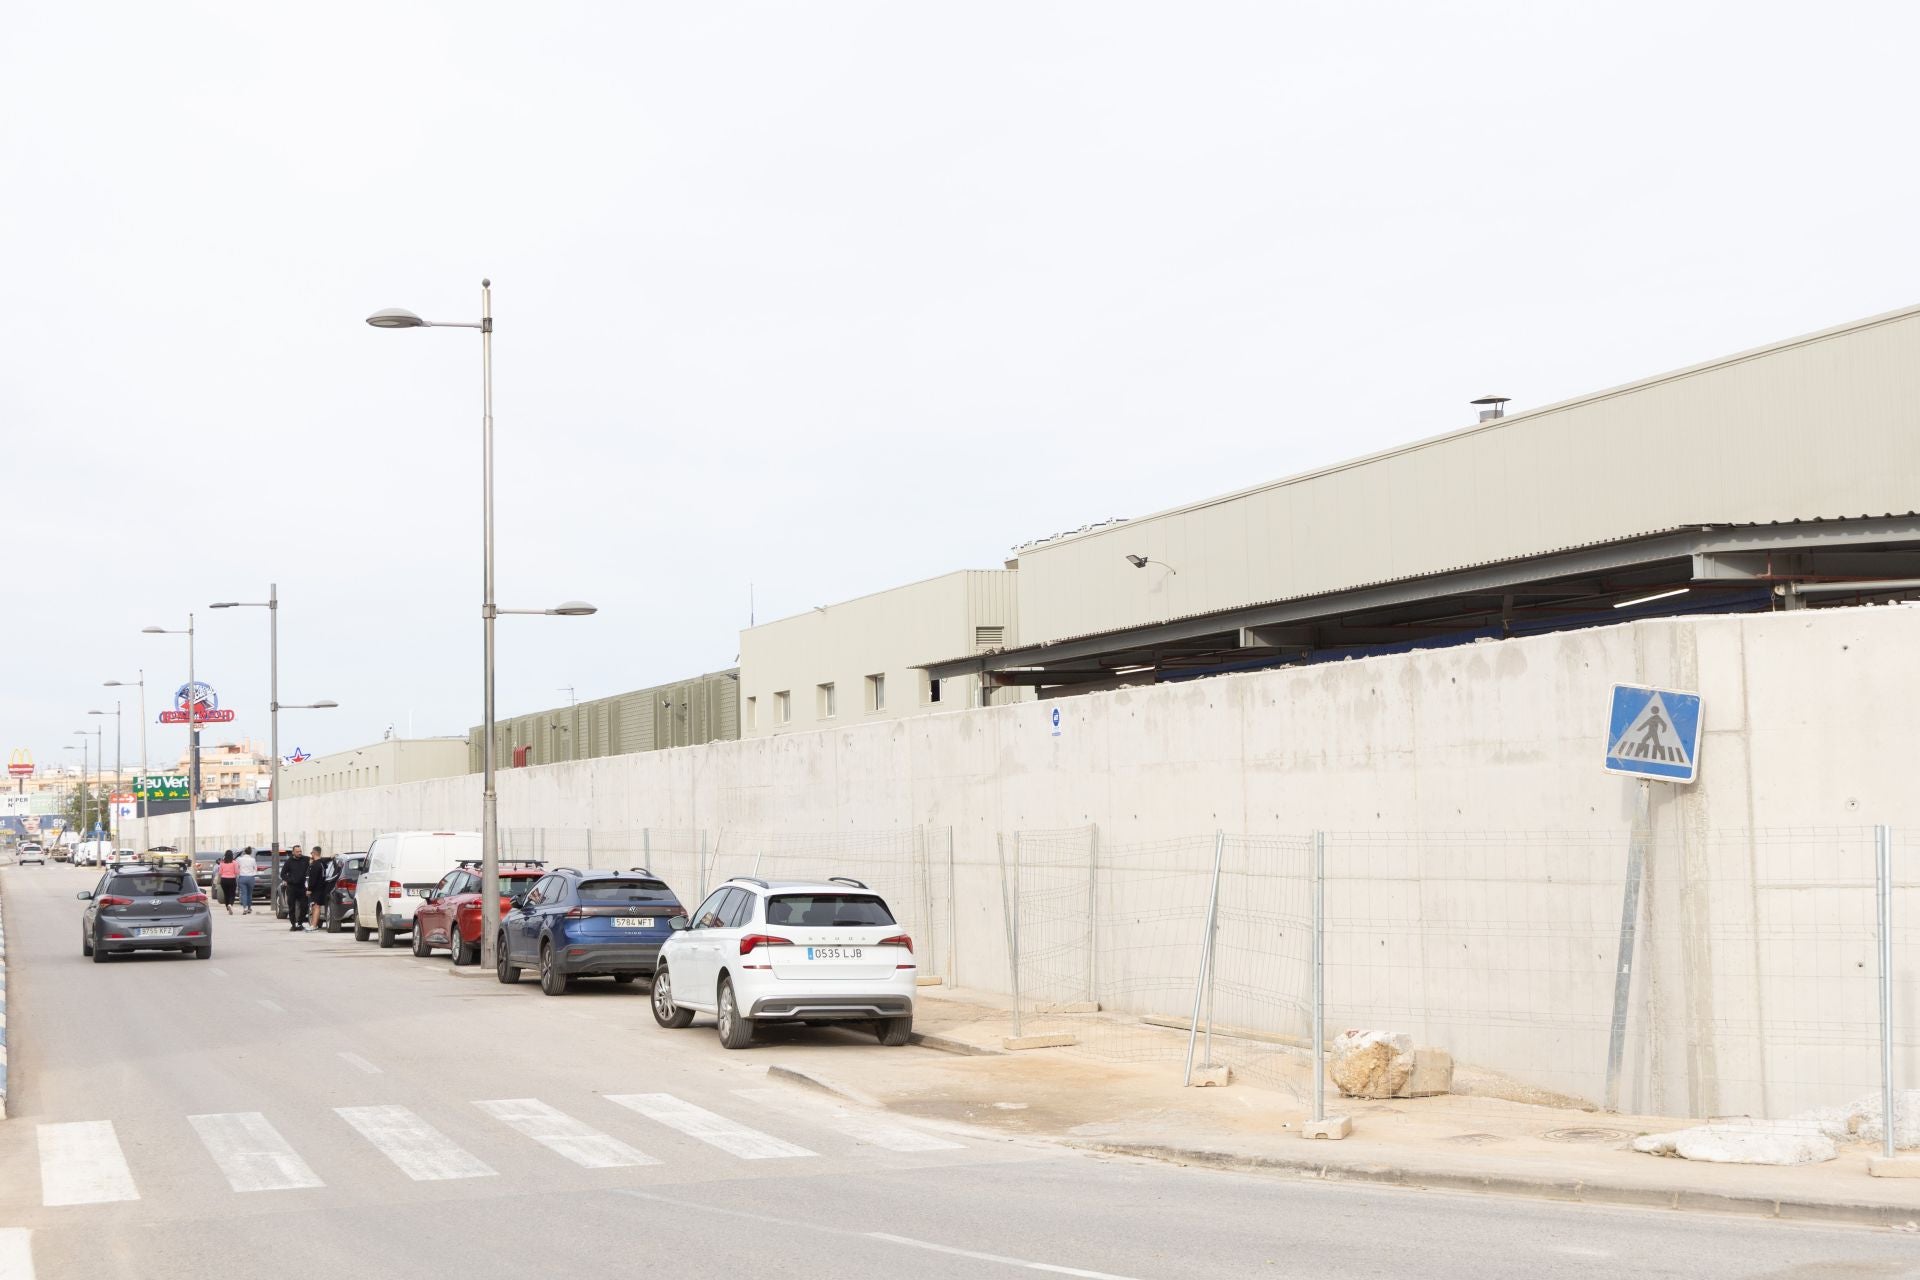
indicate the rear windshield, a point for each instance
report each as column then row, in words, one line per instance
column 642, row 892
column 149, row 884
column 827, row 910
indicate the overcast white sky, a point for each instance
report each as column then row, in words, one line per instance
column 826, row 297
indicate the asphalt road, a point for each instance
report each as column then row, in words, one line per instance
column 302, row 1105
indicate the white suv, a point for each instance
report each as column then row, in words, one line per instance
column 760, row 951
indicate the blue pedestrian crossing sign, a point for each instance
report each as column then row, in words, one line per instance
column 1654, row 733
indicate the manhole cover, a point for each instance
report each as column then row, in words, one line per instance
column 1586, row 1135
column 1475, row 1139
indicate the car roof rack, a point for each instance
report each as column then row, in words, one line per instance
column 475, row 863
column 845, row 880
column 749, row 880
column 643, row 871
column 570, row 870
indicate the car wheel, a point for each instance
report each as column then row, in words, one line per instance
column 334, row 923
column 625, row 979
column 553, row 980
column 86, row 944
column 506, row 972
column 461, row 954
column 736, row 1032
column 421, row 947
column 360, row 932
column 894, row 1032
column 665, row 1012
column 100, row 955
column 386, row 933
column 203, row 953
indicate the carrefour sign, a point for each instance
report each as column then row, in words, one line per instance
column 196, row 703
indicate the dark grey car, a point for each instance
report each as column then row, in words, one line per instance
column 139, row 908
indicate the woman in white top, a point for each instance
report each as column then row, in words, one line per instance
column 246, row 868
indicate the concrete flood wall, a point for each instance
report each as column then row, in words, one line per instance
column 1476, row 849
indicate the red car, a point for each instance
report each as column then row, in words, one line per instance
column 450, row 914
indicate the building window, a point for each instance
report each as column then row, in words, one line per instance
column 876, row 693
column 783, row 706
column 753, row 712
column 929, row 689
column 823, row 696
column 989, row 638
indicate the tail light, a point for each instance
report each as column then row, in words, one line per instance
column 110, row 901
column 193, row 897
column 897, row 940
column 349, row 884
column 580, row 913
column 752, row 940
column 393, row 888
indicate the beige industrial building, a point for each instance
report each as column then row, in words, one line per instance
column 859, row 660
column 684, row 713
column 378, row 764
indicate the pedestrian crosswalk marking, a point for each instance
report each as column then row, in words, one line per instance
column 16, row 1253
column 710, row 1128
column 561, row 1133
column 416, row 1148
column 252, row 1153
column 875, row 1131
column 81, row 1163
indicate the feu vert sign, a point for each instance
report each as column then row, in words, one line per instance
column 161, row 786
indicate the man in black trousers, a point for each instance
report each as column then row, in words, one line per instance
column 293, row 874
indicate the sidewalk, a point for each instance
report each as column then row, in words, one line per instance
column 1123, row 1096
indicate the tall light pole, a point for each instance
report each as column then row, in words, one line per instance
column 272, row 605
column 397, row 318
column 193, row 738
column 146, row 830
column 112, row 817
column 80, row 787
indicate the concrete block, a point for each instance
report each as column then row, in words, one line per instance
column 928, row 981
column 1431, row 1076
column 1212, row 1075
column 1894, row 1166
column 1333, row 1127
column 1055, row 1041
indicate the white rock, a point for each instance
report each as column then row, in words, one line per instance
column 1750, row 1142
column 1370, row 1064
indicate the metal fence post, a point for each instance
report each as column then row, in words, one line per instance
column 589, row 848
column 1883, row 859
column 1201, row 979
column 646, row 847
column 1319, row 976
column 1093, row 915
column 703, row 862
column 1010, row 909
column 953, row 919
column 924, row 865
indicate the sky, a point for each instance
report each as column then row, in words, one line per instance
column 795, row 302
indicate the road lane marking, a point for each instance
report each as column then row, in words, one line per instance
column 873, row 1130
column 993, row 1257
column 714, row 1130
column 16, row 1253
column 269, row 1006
column 252, row 1153
column 217, row 972
column 359, row 1063
column 81, row 1163
column 560, row 1132
column 416, row 1148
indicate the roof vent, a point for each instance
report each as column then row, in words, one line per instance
column 1491, row 407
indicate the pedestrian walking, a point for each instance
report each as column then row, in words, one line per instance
column 319, row 885
column 293, row 874
column 229, row 875
column 244, row 870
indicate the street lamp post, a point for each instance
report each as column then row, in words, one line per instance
column 272, row 605
column 85, row 789
column 397, row 318
column 112, row 817
column 146, row 831
column 193, row 738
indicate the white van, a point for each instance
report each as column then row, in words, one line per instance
column 401, row 866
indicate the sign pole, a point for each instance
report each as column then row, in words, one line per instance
column 146, row 830
column 1629, row 928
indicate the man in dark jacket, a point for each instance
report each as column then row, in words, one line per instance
column 319, row 884
column 293, row 874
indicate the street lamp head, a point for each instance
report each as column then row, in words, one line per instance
column 153, row 631
column 574, row 609
column 117, row 684
column 99, row 713
column 396, row 318
column 225, row 604
column 324, row 703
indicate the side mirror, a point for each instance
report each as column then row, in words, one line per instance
column 519, row 903
column 85, row 895
column 431, row 895
column 677, row 923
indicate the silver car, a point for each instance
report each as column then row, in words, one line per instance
column 139, row 908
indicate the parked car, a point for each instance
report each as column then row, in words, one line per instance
column 760, row 951
column 401, row 867
column 33, row 853
column 449, row 916
column 206, row 866
column 62, row 852
column 340, row 903
column 145, row 908
column 577, row 924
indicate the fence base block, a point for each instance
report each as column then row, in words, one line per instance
column 1334, row 1127
column 1058, row 1041
column 928, row 982
column 1894, row 1166
column 1212, row 1075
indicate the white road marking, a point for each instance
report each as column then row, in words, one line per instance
column 359, row 1063
column 560, row 1132
column 714, row 1130
column 16, row 1253
column 416, row 1148
column 217, row 972
column 270, row 1006
column 873, row 1130
column 252, row 1153
column 81, row 1163
column 994, row 1257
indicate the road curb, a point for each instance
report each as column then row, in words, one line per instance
column 947, row 1044
column 1315, row 1168
column 810, row 1080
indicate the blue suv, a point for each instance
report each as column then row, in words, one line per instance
column 577, row 924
